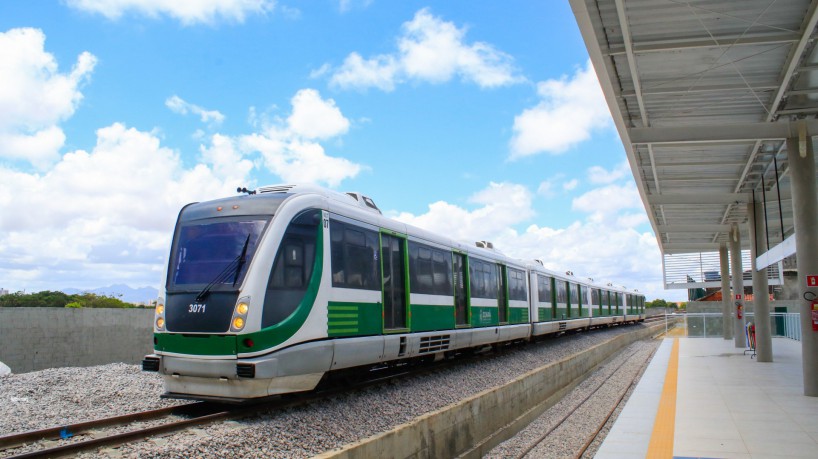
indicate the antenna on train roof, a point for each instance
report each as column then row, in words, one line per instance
column 245, row 190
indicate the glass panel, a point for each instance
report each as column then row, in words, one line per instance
column 292, row 269
column 460, row 305
column 394, row 282
column 216, row 252
column 502, row 303
column 354, row 257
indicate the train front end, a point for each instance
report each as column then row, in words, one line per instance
column 243, row 279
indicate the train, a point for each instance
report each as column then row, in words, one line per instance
column 269, row 291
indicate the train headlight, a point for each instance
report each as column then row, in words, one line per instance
column 239, row 319
column 160, row 323
column 160, row 309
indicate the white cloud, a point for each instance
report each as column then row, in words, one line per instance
column 608, row 201
column 605, row 250
column 289, row 147
column 599, row 175
column 501, row 205
column 186, row 11
column 429, row 50
column 104, row 215
column 570, row 185
column 314, row 117
column 546, row 188
column 550, row 187
column 569, row 110
column 178, row 105
column 379, row 72
column 35, row 97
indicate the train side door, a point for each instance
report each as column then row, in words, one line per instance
column 393, row 257
column 461, row 277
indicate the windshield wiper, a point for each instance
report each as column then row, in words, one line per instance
column 242, row 260
column 235, row 264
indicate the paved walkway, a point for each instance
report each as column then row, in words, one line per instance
column 726, row 405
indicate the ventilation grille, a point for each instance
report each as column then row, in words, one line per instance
column 245, row 370
column 433, row 344
column 563, row 326
column 276, row 189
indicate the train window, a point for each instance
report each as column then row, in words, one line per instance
column 516, row 285
column 483, row 278
column 430, row 270
column 204, row 251
column 562, row 296
column 292, row 268
column 544, row 289
column 595, row 296
column 584, row 294
column 574, row 295
column 354, row 257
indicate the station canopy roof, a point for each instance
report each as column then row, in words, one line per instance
column 703, row 94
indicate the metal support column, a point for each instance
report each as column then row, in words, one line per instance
column 738, row 287
column 761, row 288
column 727, row 323
column 800, row 154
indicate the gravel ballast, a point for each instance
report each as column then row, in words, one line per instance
column 66, row 395
column 583, row 418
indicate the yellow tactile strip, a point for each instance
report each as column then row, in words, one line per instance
column 661, row 440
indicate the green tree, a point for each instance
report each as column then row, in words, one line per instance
column 74, row 304
column 49, row 299
column 657, row 303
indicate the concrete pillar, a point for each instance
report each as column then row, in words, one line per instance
column 738, row 287
column 727, row 323
column 761, row 289
column 805, row 216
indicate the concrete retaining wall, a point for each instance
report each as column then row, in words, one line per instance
column 471, row 427
column 38, row 338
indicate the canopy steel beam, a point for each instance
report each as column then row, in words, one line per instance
column 748, row 132
column 659, row 90
column 694, row 228
column 699, row 198
column 733, row 40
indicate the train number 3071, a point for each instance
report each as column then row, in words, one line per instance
column 196, row 308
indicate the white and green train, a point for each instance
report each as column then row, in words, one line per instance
column 266, row 293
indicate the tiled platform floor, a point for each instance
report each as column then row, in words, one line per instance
column 727, row 405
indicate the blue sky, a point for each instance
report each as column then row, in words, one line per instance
column 483, row 120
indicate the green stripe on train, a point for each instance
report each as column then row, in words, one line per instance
column 484, row 316
column 196, row 344
column 426, row 317
column 517, row 315
column 354, row 319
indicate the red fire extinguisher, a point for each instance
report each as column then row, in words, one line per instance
column 739, row 311
column 814, row 315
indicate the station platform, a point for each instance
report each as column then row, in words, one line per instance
column 704, row 398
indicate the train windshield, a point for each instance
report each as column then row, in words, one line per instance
column 214, row 253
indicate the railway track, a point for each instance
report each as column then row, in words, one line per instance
column 575, row 412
